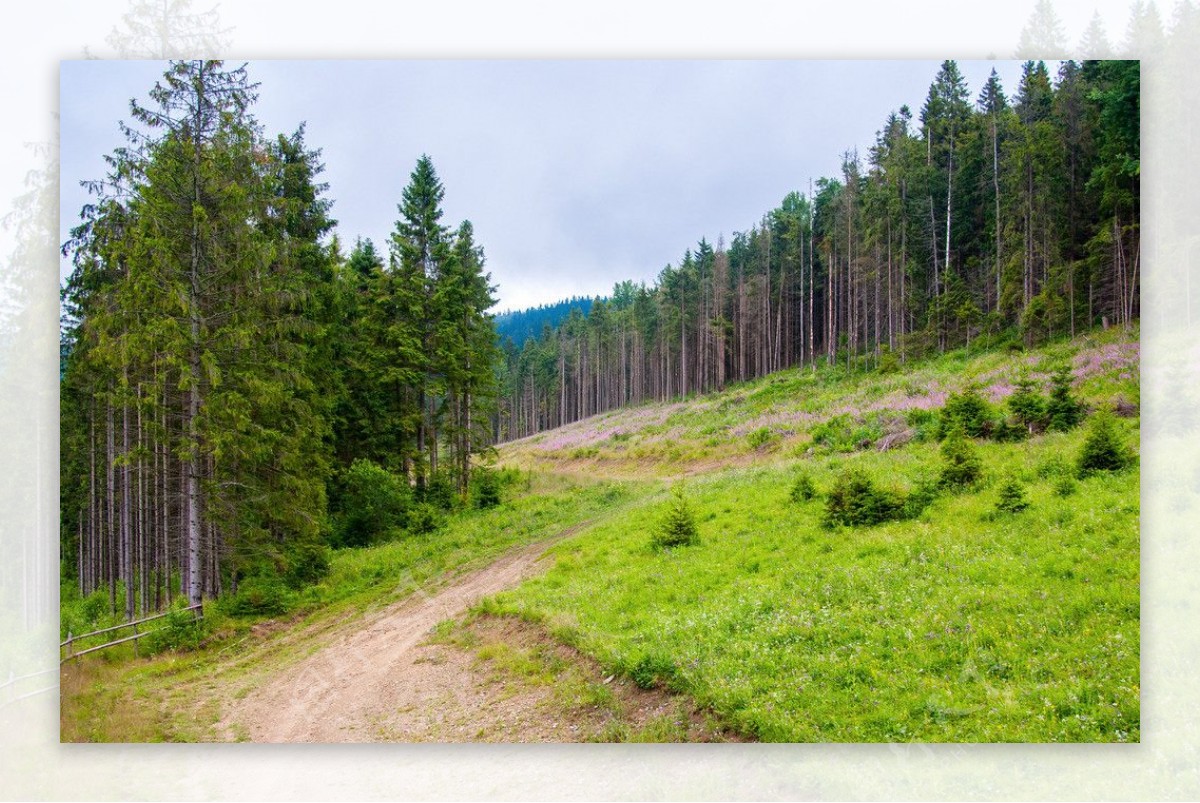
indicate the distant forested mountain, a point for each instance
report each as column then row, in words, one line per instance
column 520, row 325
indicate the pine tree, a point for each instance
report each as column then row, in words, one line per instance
column 678, row 527
column 1103, row 449
column 200, row 274
column 420, row 250
column 1012, row 497
column 466, row 352
column 961, row 467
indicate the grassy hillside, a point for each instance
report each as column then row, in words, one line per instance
column 956, row 621
column 963, row 623
column 772, row 419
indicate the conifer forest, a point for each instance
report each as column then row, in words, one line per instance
column 238, row 383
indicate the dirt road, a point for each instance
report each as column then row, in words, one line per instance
column 377, row 681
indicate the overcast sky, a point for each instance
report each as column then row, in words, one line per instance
column 575, row 174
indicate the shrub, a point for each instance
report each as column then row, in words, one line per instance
column 180, row 630
column 1063, row 410
column 1103, row 449
column 260, row 595
column 84, row 614
column 919, row 498
column 678, row 528
column 1009, row 431
column 803, row 489
column 423, row 519
column 1028, row 406
column 1065, row 486
column 1012, row 496
column 307, row 564
column 486, row 488
column 1054, row 466
column 924, row 423
column 372, row 502
column 961, row 466
column 969, row 411
column 760, row 438
column 889, row 363
column 844, row 433
column 855, row 501
column 440, row 492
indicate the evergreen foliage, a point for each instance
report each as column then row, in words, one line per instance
column 518, row 326
column 803, row 488
column 1103, row 449
column 856, row 501
column 226, row 369
column 969, row 412
column 487, row 488
column 1013, row 220
column 1012, row 497
column 961, row 464
column 225, row 365
column 678, row 527
column 1063, row 410
column 1028, row 406
column 372, row 504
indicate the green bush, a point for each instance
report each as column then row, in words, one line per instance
column 423, row 519
column 1063, row 410
column 925, row 424
column 85, row 614
column 485, row 488
column 855, row 501
column 1054, row 466
column 1009, row 431
column 307, row 564
column 1012, row 496
column 969, row 411
column 961, row 466
column 1065, row 486
column 678, row 528
column 760, row 438
column 1028, row 406
column 919, row 498
column 372, row 502
column 440, row 492
column 845, row 433
column 260, row 595
column 803, row 489
column 180, row 630
column 1103, row 449
column 889, row 363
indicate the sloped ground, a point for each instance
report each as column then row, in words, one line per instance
column 375, row 681
column 771, row 419
column 404, row 676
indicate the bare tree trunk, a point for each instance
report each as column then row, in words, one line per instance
column 996, row 189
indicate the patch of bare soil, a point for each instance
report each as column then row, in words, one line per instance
column 390, row 678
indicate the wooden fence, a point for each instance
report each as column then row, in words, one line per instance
column 11, row 689
column 69, row 644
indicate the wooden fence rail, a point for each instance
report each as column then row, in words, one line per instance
column 9, row 688
column 69, row 644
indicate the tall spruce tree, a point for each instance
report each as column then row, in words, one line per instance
column 197, row 274
column 420, row 249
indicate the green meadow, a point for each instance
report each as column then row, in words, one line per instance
column 969, row 621
column 1005, row 609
